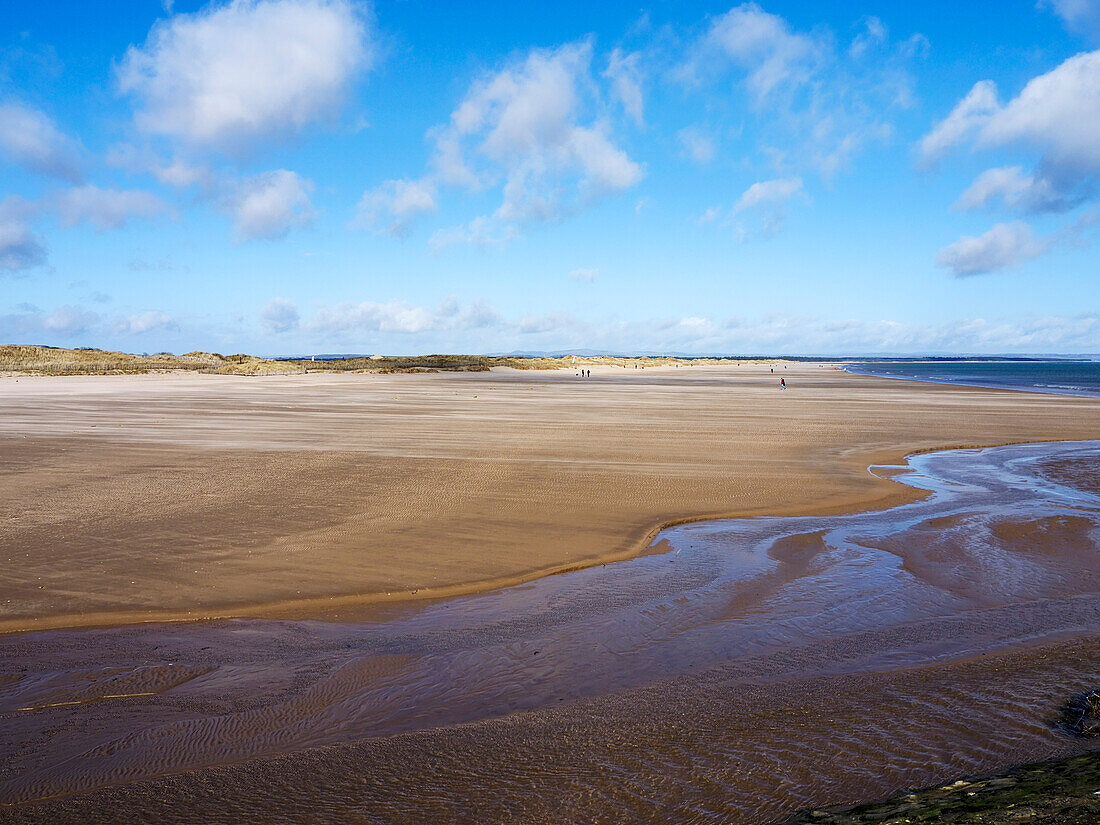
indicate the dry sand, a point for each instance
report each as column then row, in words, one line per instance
column 134, row 498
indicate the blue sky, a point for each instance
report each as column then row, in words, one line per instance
column 298, row 176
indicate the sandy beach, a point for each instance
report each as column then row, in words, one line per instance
column 915, row 639
column 134, row 498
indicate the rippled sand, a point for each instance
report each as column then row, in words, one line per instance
column 130, row 498
column 753, row 667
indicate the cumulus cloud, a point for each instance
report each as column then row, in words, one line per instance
column 270, row 205
column 968, row 116
column 1057, row 113
column 696, row 144
column 585, row 275
column 106, row 208
column 229, row 75
column 30, row 138
column 624, row 72
column 142, row 322
column 534, row 129
column 1016, row 190
column 280, row 315
column 1006, row 244
column 525, row 120
column 395, row 204
column 761, row 44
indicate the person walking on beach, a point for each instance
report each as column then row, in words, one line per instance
column 782, row 383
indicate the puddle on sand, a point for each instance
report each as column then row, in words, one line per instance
column 811, row 652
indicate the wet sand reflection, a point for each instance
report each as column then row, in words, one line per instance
column 754, row 667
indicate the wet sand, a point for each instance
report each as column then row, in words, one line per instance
column 755, row 667
column 137, row 498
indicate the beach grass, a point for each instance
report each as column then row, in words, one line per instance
column 24, row 359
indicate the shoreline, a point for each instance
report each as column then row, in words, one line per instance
column 976, row 384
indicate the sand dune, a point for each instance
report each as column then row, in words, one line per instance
column 131, row 498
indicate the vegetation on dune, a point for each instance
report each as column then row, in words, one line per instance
column 58, row 361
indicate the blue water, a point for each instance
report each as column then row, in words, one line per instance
column 1058, row 377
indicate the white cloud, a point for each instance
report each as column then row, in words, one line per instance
column 482, row 231
column 1057, row 113
column 30, row 138
column 763, row 45
column 540, row 324
column 525, row 128
column 280, row 315
column 392, row 206
column 586, row 275
column 965, row 119
column 776, row 191
column 270, row 205
column 106, row 208
column 142, row 322
column 625, row 74
column 1006, row 244
column 768, row 200
column 1080, row 16
column 696, row 144
column 70, row 320
column 1017, row 191
column 177, row 172
column 228, row 75
column 19, row 247
column 402, row 318
column 874, row 34
column 710, row 215
column 797, row 92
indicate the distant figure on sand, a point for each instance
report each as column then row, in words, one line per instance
column 782, row 383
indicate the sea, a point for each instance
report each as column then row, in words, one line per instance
column 1060, row 377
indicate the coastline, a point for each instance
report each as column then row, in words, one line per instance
column 854, row 368
column 833, row 478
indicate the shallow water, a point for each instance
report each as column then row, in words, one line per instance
column 1058, row 377
column 754, row 667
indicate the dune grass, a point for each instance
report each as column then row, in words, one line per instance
column 58, row 361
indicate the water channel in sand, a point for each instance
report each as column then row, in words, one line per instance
column 743, row 669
